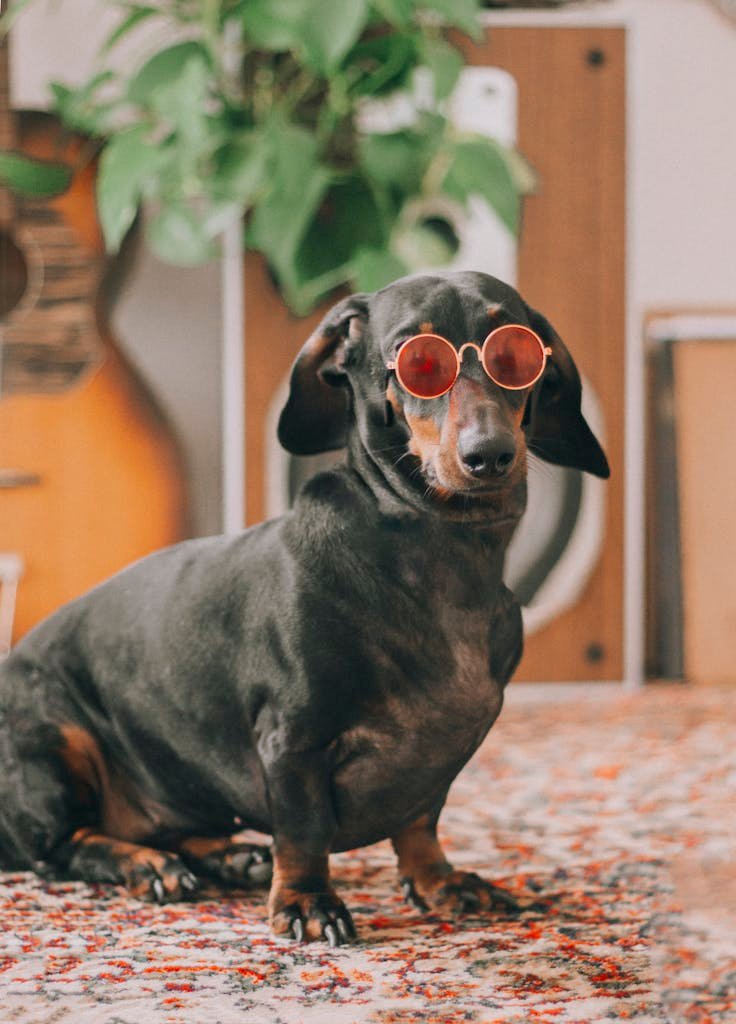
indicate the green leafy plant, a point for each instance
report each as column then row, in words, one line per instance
column 260, row 109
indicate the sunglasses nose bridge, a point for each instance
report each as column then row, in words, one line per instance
column 469, row 344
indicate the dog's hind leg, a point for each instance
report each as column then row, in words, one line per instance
column 43, row 803
column 38, row 804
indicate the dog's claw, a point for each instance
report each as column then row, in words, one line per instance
column 469, row 901
column 506, row 901
column 240, row 862
column 462, row 892
column 158, row 890
column 306, row 916
column 412, row 896
column 189, row 882
column 482, row 895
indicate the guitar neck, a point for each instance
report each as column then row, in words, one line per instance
column 7, row 123
column 7, row 126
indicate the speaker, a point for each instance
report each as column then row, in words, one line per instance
column 561, row 93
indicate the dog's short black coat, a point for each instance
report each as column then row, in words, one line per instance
column 321, row 677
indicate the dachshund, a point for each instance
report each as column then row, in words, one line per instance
column 321, row 677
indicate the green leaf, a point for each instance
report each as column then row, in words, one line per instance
column 220, row 215
column 462, row 13
column 298, row 184
column 188, row 85
column 302, row 297
column 396, row 12
column 80, row 109
column 445, row 63
column 374, row 268
column 294, row 154
column 322, row 33
column 279, row 221
column 395, row 159
column 181, row 99
column 331, row 30
column 275, row 24
column 164, row 67
column 128, row 162
column 386, row 62
column 426, row 243
column 524, row 175
column 480, row 167
column 138, row 13
column 347, row 218
column 241, row 169
column 33, row 178
column 177, row 235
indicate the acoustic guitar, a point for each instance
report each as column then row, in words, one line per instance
column 90, row 474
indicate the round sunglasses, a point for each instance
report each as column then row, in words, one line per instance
column 513, row 356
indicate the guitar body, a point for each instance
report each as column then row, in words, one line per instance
column 90, row 475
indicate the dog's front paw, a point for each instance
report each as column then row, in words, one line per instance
column 459, row 892
column 310, row 915
column 159, row 878
column 156, row 876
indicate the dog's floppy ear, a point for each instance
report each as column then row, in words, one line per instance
column 556, row 428
column 315, row 417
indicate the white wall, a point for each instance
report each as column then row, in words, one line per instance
column 683, row 154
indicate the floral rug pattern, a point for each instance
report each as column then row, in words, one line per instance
column 609, row 815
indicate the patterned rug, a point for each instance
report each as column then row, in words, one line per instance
column 610, row 816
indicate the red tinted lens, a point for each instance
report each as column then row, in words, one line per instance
column 426, row 366
column 513, row 356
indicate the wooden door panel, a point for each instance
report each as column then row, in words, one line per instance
column 571, row 121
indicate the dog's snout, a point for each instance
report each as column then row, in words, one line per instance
column 486, row 456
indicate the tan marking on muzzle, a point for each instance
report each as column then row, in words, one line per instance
column 425, row 436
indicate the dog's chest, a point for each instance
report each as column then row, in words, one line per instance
column 467, row 636
column 421, row 730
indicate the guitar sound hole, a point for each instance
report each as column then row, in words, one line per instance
column 13, row 274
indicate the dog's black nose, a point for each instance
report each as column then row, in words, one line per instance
column 485, row 456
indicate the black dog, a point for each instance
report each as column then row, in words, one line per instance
column 322, row 677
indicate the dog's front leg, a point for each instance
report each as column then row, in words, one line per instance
column 302, row 903
column 429, row 881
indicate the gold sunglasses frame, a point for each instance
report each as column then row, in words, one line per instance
column 392, row 364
